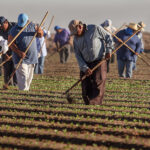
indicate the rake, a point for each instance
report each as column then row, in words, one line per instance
column 129, row 48
column 13, row 41
column 6, row 85
column 46, row 35
column 68, row 96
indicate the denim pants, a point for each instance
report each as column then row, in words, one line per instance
column 134, row 63
column 40, row 65
column 122, row 64
column 64, row 54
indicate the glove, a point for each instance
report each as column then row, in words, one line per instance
column 48, row 33
column 39, row 55
column 5, row 47
column 1, row 38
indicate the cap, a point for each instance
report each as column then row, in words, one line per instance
column 2, row 20
column 22, row 20
column 57, row 28
column 72, row 26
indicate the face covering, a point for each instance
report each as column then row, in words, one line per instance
column 129, row 31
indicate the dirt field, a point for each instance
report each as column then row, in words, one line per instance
column 43, row 119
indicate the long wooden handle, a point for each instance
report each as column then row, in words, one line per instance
column 46, row 35
column 26, row 50
column 50, row 23
column 17, row 35
column 129, row 48
column 145, row 55
column 101, row 62
column 119, row 28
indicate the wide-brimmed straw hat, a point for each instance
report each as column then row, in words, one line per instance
column 133, row 26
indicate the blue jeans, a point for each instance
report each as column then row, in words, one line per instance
column 65, row 54
column 39, row 67
column 121, row 67
column 134, row 63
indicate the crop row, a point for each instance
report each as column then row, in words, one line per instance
column 75, row 138
column 126, row 108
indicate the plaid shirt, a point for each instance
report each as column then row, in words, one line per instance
column 92, row 46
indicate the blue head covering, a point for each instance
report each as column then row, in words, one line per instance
column 57, row 28
column 2, row 20
column 22, row 20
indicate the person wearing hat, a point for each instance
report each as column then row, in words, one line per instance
column 107, row 25
column 62, row 41
column 26, row 69
column 125, row 58
column 42, row 52
column 5, row 27
column 90, row 49
column 140, row 36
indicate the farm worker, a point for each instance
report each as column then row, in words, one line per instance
column 107, row 25
column 26, row 69
column 90, row 49
column 125, row 58
column 62, row 41
column 5, row 27
column 42, row 52
column 140, row 36
column 3, row 49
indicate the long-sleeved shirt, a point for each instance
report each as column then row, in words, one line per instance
column 62, row 37
column 135, row 43
column 39, row 42
column 140, row 36
column 23, row 41
column 5, row 34
column 91, row 46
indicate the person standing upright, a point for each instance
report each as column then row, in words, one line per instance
column 5, row 27
column 42, row 52
column 107, row 25
column 26, row 69
column 140, row 36
column 125, row 58
column 62, row 41
column 90, row 49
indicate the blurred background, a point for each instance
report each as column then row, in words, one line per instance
column 89, row 11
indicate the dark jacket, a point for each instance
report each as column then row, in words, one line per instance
column 5, row 34
column 135, row 43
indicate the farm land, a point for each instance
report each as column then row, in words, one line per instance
column 43, row 119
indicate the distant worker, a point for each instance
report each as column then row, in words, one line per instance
column 5, row 27
column 125, row 58
column 62, row 41
column 42, row 52
column 26, row 69
column 107, row 25
column 90, row 49
column 3, row 49
column 140, row 36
